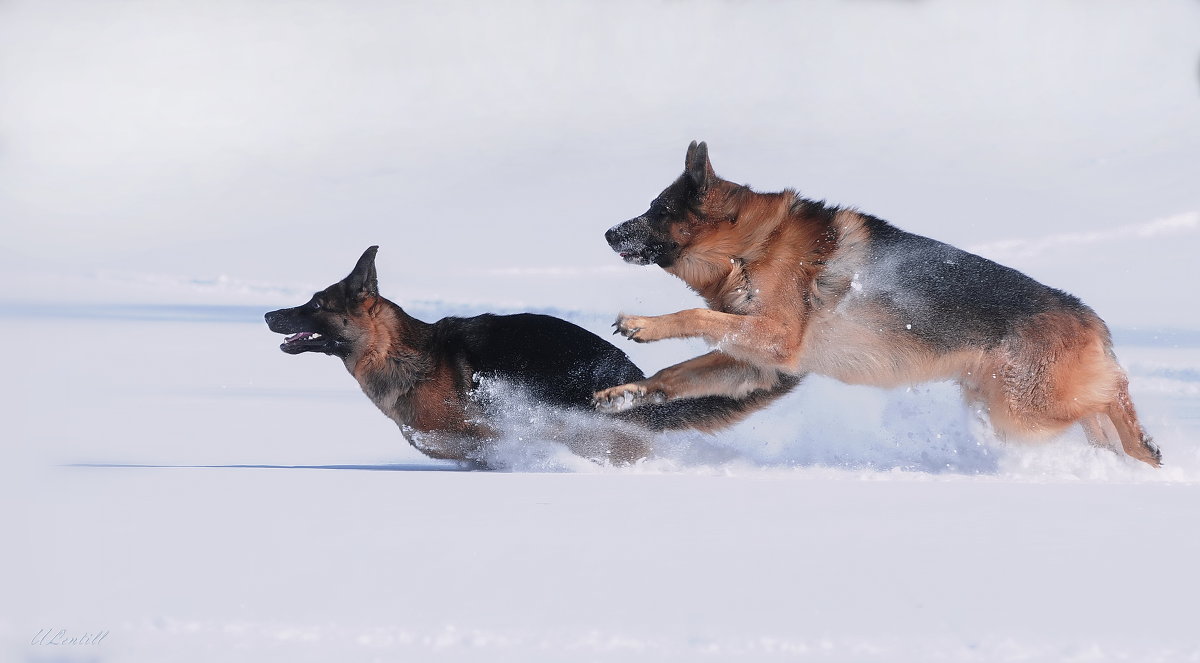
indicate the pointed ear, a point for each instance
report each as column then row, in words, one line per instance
column 363, row 282
column 697, row 166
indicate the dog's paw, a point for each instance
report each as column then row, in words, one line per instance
column 635, row 327
column 625, row 397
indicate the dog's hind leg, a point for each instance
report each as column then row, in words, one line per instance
column 1100, row 431
column 1058, row 369
column 626, row 447
column 713, row 374
column 608, row 441
column 1134, row 439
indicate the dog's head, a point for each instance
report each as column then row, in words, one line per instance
column 330, row 321
column 696, row 204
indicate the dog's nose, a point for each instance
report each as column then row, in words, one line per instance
column 617, row 234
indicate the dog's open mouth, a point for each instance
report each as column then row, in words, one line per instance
column 303, row 342
column 301, row 337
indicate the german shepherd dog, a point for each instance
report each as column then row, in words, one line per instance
column 795, row 286
column 426, row 376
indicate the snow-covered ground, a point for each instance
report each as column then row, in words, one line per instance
column 170, row 171
column 202, row 496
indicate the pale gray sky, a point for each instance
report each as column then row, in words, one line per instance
column 250, row 137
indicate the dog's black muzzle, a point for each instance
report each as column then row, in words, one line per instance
column 637, row 243
column 304, row 336
column 284, row 321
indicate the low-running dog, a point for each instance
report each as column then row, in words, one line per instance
column 426, row 376
column 796, row 286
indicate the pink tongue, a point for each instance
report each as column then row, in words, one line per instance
column 297, row 337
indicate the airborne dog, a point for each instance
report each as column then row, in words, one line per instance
column 796, row 287
column 425, row 376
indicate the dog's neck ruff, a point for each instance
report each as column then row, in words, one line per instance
column 394, row 346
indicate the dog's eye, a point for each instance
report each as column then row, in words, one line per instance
column 316, row 305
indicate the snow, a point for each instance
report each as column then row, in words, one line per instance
column 536, row 567
column 172, row 171
column 203, row 496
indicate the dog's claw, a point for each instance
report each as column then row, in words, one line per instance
column 632, row 328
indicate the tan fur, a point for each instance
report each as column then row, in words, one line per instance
column 409, row 387
column 778, row 277
column 427, row 396
column 456, row 386
column 713, row 374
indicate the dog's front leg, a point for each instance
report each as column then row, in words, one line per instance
column 643, row 328
column 755, row 339
column 713, row 326
column 713, row 374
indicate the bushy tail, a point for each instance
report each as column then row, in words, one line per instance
column 708, row 413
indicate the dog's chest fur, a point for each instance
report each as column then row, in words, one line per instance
column 736, row 293
column 403, row 378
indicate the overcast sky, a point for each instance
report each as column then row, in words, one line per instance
column 271, row 140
